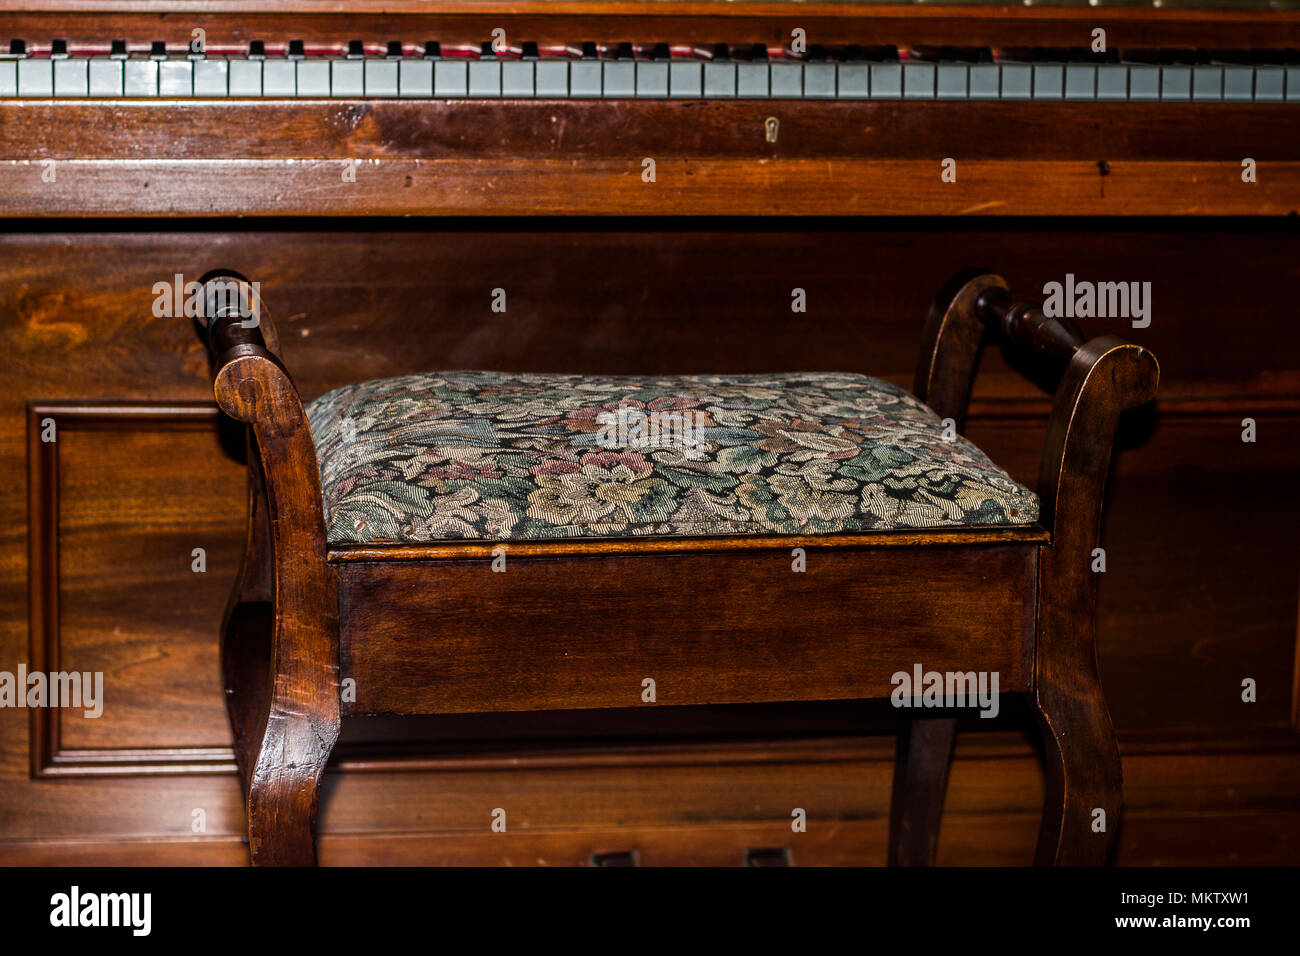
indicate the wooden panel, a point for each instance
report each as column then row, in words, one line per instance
column 112, row 534
column 459, row 637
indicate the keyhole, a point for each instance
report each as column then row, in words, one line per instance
column 771, row 127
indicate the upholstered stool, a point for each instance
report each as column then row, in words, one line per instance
column 646, row 529
column 514, row 457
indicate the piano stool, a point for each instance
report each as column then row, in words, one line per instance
column 462, row 542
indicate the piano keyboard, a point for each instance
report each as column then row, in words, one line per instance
column 624, row 71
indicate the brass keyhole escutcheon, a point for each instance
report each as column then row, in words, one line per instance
column 771, row 127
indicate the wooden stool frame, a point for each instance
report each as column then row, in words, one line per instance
column 429, row 629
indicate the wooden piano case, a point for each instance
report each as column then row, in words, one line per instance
column 523, row 233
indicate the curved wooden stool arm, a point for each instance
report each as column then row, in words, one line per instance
column 282, row 688
column 950, row 344
column 1101, row 378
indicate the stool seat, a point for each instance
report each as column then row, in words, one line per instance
column 517, row 456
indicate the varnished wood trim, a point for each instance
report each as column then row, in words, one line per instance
column 613, row 187
column 461, row 550
column 589, row 131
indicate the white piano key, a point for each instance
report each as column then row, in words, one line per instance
column 651, row 80
column 819, row 81
column 952, row 81
column 518, row 78
column 852, row 81
column 1175, row 82
column 753, row 80
column 279, row 77
column 1080, row 81
column 348, row 78
column 619, row 79
column 415, row 78
column 686, row 80
column 918, row 81
column 8, row 77
column 381, row 77
column 1112, row 81
column 35, row 77
column 485, row 78
column 1017, row 81
column 552, row 79
column 886, row 81
column 983, row 80
column 245, row 77
column 450, row 78
column 313, row 77
column 1143, row 81
column 140, row 77
column 212, row 76
column 1049, row 81
column 175, row 77
column 584, row 78
column 720, row 79
column 1270, row 84
column 787, row 81
column 1238, row 84
column 72, row 77
column 1207, row 82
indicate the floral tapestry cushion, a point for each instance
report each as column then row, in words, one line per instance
column 505, row 456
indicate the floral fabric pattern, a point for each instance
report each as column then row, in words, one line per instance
column 505, row 456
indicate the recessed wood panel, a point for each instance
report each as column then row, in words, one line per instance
column 115, row 538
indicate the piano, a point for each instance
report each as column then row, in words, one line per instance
column 626, row 187
column 741, row 109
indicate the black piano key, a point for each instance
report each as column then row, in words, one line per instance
column 590, row 51
column 117, row 49
column 257, row 48
column 17, row 47
column 59, row 48
column 394, row 48
column 625, row 51
column 661, row 51
column 881, row 54
column 485, row 51
column 721, row 52
column 158, row 50
column 356, row 49
column 432, row 48
column 297, row 48
column 529, row 51
column 758, row 51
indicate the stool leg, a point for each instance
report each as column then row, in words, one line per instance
column 281, row 676
column 920, row 780
column 1083, row 773
column 284, row 792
